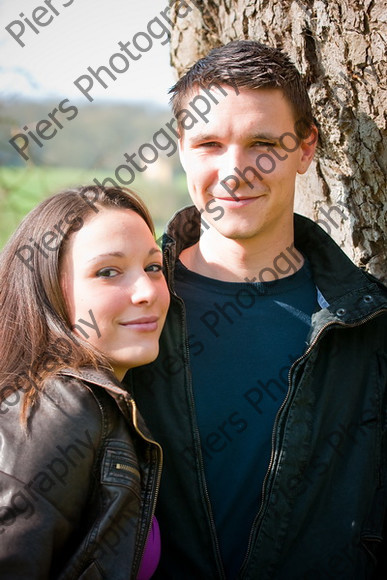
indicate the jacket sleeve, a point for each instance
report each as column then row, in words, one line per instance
column 45, row 477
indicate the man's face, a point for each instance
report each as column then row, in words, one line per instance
column 256, row 129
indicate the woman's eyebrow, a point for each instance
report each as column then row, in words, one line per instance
column 121, row 254
column 107, row 254
column 154, row 251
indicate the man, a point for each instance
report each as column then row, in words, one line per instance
column 268, row 395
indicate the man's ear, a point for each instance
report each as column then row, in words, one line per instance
column 181, row 150
column 308, row 148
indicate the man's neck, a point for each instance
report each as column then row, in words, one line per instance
column 261, row 259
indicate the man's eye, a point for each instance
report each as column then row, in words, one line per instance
column 265, row 144
column 107, row 273
column 154, row 268
column 209, row 144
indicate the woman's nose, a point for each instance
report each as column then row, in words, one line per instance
column 144, row 290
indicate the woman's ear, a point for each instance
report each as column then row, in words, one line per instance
column 308, row 148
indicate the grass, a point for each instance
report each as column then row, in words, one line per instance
column 21, row 189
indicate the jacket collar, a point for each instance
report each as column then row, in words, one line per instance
column 105, row 379
column 102, row 378
column 349, row 293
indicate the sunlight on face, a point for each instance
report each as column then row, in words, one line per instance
column 113, row 268
column 220, row 156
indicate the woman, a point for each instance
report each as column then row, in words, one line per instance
column 82, row 299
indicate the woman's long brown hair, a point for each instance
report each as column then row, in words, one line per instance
column 36, row 337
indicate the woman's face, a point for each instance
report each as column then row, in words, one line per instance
column 112, row 274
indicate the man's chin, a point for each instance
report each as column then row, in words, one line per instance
column 236, row 232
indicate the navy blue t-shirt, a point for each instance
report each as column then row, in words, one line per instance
column 243, row 339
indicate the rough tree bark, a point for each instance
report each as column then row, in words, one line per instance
column 340, row 47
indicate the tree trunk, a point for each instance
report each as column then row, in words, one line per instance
column 340, row 48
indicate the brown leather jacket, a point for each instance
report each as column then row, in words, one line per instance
column 78, row 490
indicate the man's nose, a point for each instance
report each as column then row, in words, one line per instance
column 238, row 170
column 233, row 158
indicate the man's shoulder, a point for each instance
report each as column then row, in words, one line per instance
column 332, row 268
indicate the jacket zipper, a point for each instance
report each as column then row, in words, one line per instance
column 125, row 467
column 168, row 251
column 200, row 457
column 131, row 406
column 196, row 430
column 254, row 528
column 156, row 487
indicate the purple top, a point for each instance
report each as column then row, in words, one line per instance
column 151, row 554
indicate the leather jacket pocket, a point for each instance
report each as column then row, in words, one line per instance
column 120, row 467
column 91, row 573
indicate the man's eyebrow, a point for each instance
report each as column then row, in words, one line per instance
column 205, row 137
column 264, row 137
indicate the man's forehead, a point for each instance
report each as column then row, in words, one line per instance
column 261, row 117
column 221, row 89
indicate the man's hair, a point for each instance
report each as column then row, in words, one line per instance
column 251, row 65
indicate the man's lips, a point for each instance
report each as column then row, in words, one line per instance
column 145, row 323
column 237, row 201
column 236, row 198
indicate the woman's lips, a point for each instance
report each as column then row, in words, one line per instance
column 145, row 323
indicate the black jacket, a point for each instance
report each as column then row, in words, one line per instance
column 77, row 493
column 322, row 508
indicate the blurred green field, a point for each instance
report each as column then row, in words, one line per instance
column 21, row 189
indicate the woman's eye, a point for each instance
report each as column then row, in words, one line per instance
column 107, row 273
column 154, row 268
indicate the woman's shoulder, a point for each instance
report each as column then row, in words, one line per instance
column 62, row 397
column 50, row 465
column 68, row 412
column 70, row 396
column 76, row 410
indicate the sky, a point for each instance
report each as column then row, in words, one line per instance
column 76, row 34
